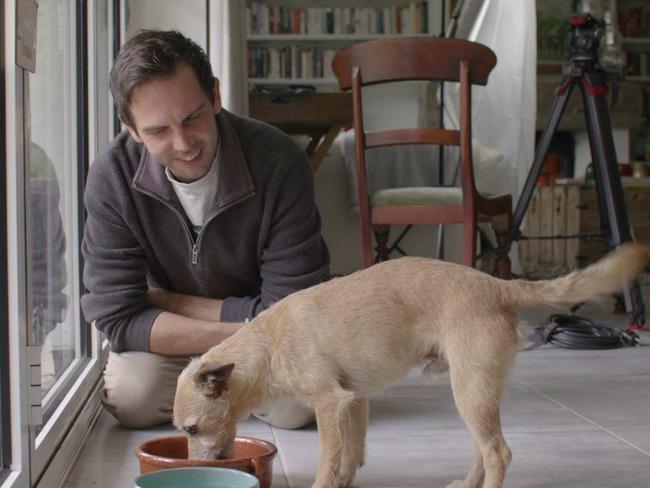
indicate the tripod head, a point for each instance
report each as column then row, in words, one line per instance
column 586, row 32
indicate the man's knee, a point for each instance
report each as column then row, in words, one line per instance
column 286, row 413
column 136, row 406
column 139, row 388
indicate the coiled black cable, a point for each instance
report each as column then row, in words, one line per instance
column 575, row 332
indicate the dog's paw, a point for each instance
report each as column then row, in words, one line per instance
column 457, row 484
column 345, row 480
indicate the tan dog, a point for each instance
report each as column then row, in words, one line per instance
column 335, row 344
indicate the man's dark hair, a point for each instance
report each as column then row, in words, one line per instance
column 152, row 54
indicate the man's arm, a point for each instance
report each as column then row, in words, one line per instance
column 208, row 309
column 175, row 335
column 187, row 325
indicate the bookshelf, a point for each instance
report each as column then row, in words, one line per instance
column 634, row 24
column 292, row 42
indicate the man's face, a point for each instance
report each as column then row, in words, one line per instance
column 174, row 119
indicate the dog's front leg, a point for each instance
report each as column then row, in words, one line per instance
column 476, row 474
column 332, row 416
column 354, row 449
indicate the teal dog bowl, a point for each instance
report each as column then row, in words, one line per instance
column 199, row 477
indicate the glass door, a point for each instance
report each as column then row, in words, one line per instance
column 50, row 358
column 55, row 153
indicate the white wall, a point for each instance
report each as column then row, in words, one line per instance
column 393, row 106
column 583, row 151
column 188, row 17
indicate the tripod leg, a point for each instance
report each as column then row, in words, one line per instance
column 601, row 199
column 608, row 179
column 562, row 96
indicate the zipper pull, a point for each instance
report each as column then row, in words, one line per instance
column 195, row 254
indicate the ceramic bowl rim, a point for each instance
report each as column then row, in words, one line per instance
column 236, row 472
column 270, row 451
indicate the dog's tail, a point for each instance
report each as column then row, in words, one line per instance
column 608, row 275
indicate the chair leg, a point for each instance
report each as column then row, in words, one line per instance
column 501, row 225
column 469, row 243
column 366, row 243
column 382, row 233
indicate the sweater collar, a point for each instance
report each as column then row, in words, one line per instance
column 235, row 180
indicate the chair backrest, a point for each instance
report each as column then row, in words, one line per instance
column 405, row 59
column 417, row 58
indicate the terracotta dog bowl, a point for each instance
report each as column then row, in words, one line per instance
column 253, row 456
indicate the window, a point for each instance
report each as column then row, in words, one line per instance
column 53, row 194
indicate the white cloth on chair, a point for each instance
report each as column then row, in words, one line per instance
column 390, row 167
column 413, row 166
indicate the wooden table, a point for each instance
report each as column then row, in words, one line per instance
column 318, row 115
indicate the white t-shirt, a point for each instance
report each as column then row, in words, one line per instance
column 197, row 197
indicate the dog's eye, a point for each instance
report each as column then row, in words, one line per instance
column 191, row 429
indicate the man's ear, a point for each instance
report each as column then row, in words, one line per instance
column 134, row 134
column 211, row 379
column 217, row 97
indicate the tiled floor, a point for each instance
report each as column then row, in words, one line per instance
column 572, row 419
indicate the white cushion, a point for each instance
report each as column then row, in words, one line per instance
column 418, row 196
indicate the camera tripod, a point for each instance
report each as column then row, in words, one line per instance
column 592, row 81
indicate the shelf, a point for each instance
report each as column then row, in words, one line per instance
column 638, row 41
column 550, row 67
column 325, row 37
column 638, row 79
column 293, row 81
column 293, row 42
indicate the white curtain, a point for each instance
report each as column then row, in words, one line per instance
column 503, row 112
column 228, row 52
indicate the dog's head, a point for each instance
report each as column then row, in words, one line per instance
column 204, row 410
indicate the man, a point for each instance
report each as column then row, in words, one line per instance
column 197, row 221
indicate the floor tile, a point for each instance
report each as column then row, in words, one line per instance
column 588, row 458
column 608, row 403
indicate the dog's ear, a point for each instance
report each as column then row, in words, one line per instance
column 211, row 379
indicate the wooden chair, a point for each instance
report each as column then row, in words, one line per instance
column 384, row 61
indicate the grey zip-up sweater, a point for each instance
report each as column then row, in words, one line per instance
column 260, row 241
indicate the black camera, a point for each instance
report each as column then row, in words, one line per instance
column 586, row 32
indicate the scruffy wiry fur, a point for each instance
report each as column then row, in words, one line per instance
column 335, row 344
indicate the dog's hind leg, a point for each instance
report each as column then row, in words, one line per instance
column 354, row 450
column 478, row 378
column 480, row 408
column 332, row 416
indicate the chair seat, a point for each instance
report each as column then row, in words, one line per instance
column 440, row 195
